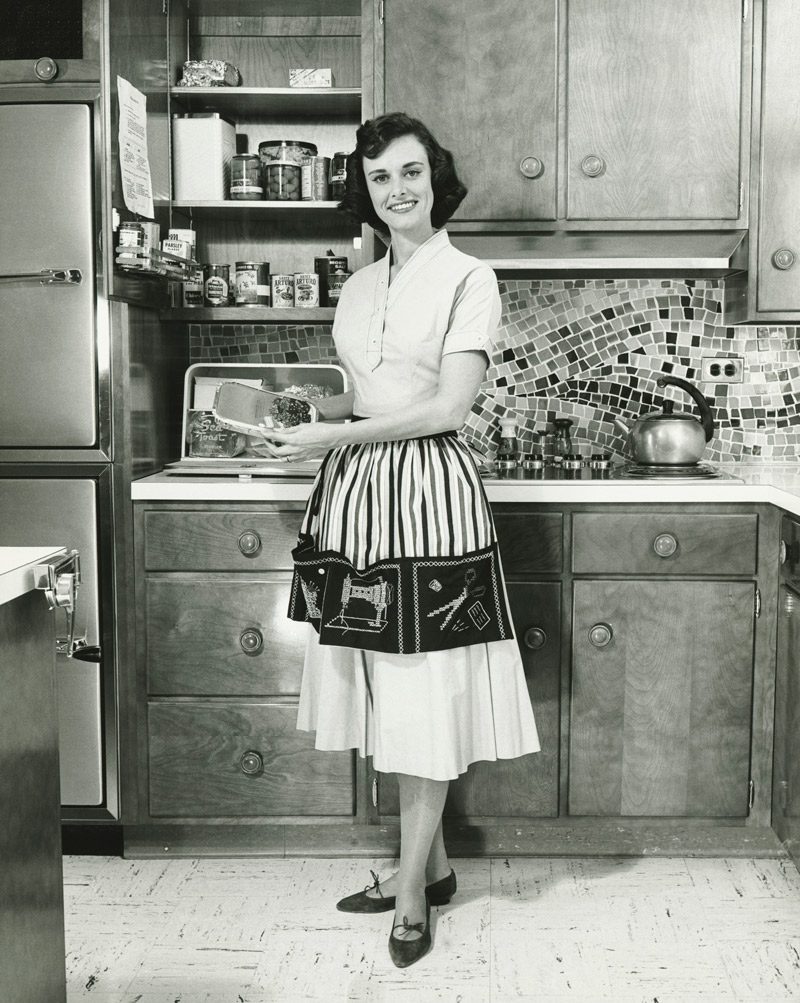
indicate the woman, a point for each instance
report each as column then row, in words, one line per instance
column 411, row 657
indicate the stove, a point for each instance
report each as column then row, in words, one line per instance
column 599, row 467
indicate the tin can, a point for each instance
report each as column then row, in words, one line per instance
column 216, row 285
column 192, row 289
column 282, row 290
column 324, row 266
column 245, row 283
column 338, row 175
column 314, row 173
column 306, row 289
column 335, row 282
column 263, row 289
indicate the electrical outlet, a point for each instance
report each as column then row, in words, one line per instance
column 722, row 369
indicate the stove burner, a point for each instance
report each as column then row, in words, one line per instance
column 644, row 471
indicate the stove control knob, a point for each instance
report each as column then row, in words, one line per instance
column 46, row 69
column 665, row 545
column 534, row 638
column 600, row 634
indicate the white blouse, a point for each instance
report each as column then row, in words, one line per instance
column 391, row 338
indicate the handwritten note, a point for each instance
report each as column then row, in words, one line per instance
column 134, row 164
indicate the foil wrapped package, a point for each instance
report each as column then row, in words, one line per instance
column 209, row 73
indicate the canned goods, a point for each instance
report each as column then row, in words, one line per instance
column 245, row 283
column 306, row 289
column 282, row 290
column 130, row 235
column 246, row 177
column 338, row 175
column 335, row 282
column 324, row 266
column 263, row 290
column 314, row 173
column 192, row 289
column 216, row 285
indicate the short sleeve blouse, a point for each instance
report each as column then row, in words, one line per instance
column 391, row 338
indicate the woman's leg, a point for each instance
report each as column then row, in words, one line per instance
column 421, row 805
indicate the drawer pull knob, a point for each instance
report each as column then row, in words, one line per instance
column 600, row 635
column 783, row 258
column 665, row 545
column 534, row 638
column 252, row 641
column 593, row 166
column 252, row 763
column 250, row 543
column 531, row 167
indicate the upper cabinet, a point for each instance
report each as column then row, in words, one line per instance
column 625, row 112
column 52, row 43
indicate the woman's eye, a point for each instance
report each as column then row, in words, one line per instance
column 412, row 174
column 379, row 178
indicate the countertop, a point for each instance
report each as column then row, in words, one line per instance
column 16, row 569
column 773, row 483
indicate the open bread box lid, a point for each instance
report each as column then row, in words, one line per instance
column 209, row 448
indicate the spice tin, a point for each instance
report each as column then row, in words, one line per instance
column 338, row 175
column 314, row 173
column 282, row 290
column 324, row 266
column 245, row 283
column 192, row 289
column 306, row 289
column 216, row 285
column 263, row 290
column 335, row 282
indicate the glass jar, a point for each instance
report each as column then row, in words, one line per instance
column 338, row 175
column 508, row 440
column 562, row 445
column 288, row 151
column 282, row 181
column 246, row 180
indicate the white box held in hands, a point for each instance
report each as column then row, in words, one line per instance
column 310, row 78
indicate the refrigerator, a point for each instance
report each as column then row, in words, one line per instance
column 56, row 466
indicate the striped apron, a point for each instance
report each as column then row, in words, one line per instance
column 397, row 550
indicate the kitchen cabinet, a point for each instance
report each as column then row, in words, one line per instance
column 662, row 666
column 786, row 778
column 53, row 44
column 579, row 112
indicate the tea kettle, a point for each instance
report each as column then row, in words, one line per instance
column 669, row 438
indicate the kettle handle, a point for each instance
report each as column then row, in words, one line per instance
column 706, row 417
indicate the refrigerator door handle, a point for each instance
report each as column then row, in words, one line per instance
column 48, row 277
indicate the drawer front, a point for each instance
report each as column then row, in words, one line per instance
column 529, row 541
column 220, row 541
column 241, row 759
column 222, row 638
column 663, row 543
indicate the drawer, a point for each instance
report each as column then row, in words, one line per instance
column 529, row 541
column 241, row 759
column 222, row 638
column 220, row 541
column 664, row 543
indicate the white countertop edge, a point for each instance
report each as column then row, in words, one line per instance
column 16, row 569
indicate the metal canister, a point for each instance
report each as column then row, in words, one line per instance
column 306, row 289
column 314, row 173
column 263, row 289
column 338, row 175
column 324, row 265
column 216, row 285
column 245, row 283
column 282, row 290
column 335, row 282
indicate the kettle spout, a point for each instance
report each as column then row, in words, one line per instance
column 622, row 426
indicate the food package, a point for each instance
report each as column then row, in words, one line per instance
column 209, row 73
column 310, row 78
column 248, row 410
column 208, row 437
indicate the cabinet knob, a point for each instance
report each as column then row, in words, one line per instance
column 46, row 68
column 534, row 638
column 531, row 167
column 250, row 543
column 600, row 634
column 252, row 763
column 783, row 258
column 593, row 166
column 252, row 641
column 665, row 545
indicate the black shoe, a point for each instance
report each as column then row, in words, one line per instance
column 438, row 893
column 405, row 952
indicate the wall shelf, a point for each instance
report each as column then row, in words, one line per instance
column 251, row 315
column 255, row 101
column 231, row 209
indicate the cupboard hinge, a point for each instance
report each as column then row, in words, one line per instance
column 751, row 795
column 757, row 606
column 380, row 11
column 374, row 792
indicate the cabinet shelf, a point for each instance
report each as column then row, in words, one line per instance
column 252, row 101
column 231, row 209
column 251, row 315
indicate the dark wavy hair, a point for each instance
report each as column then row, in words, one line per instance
column 372, row 138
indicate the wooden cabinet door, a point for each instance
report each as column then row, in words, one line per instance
column 653, row 105
column 660, row 714
column 786, row 813
column 779, row 207
column 526, row 787
column 483, row 78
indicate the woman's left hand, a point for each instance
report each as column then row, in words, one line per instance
column 307, row 441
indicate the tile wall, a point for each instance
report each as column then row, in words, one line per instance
column 590, row 350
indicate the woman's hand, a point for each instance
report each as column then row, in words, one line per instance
column 308, row 441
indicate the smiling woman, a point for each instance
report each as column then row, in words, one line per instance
column 411, row 656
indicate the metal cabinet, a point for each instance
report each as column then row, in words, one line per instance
column 53, row 43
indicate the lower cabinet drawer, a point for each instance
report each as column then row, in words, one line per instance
column 528, row 541
column 241, row 759
column 222, row 638
column 664, row 543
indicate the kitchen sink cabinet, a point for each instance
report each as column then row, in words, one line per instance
column 786, row 778
column 621, row 113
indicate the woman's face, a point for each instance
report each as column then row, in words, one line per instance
column 399, row 184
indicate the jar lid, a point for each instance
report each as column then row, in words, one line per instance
column 281, row 163
column 246, row 156
column 282, row 143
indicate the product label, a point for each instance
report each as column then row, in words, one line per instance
column 216, row 289
column 246, row 287
column 246, row 188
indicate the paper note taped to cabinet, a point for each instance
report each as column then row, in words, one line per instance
column 137, row 189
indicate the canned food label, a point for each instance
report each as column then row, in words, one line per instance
column 306, row 289
column 306, row 179
column 216, row 289
column 131, row 235
column 192, row 292
column 339, row 175
column 245, row 187
column 246, row 287
column 282, row 290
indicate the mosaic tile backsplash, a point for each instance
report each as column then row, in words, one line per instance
column 591, row 350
